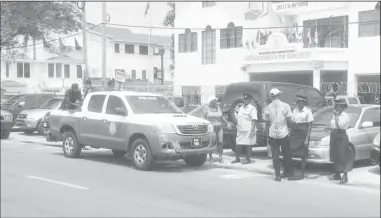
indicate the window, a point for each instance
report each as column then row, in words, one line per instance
column 31, row 101
column 187, row 42
column 133, row 74
column 7, row 69
column 324, row 117
column 369, row 29
column 58, row 70
column 114, row 102
column 116, row 48
column 197, row 112
column 23, row 70
column 329, row 32
column 231, row 37
column 152, row 105
column 51, row 70
column 129, row 49
column 96, row 103
column 209, row 46
column 315, row 100
column 67, row 70
column 143, row 50
column 372, row 115
column 353, row 101
column 206, row 4
column 144, row 75
column 79, row 72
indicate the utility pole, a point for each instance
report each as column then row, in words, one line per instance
column 161, row 52
column 82, row 6
column 104, row 67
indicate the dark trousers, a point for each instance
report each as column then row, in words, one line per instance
column 243, row 150
column 285, row 144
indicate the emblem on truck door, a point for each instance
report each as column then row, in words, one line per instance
column 112, row 128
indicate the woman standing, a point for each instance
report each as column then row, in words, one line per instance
column 300, row 131
column 213, row 113
column 341, row 154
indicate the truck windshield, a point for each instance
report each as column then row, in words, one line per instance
column 152, row 105
column 51, row 104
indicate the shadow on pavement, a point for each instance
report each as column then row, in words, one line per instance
column 256, row 153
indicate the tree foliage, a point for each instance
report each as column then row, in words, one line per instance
column 169, row 20
column 37, row 20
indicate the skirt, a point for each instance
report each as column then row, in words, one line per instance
column 341, row 154
column 244, row 138
column 298, row 135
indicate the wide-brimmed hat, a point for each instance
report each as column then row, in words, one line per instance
column 341, row 102
column 275, row 92
column 301, row 98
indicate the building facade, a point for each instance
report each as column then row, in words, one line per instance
column 312, row 43
column 40, row 68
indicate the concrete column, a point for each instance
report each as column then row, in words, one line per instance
column 352, row 83
column 316, row 66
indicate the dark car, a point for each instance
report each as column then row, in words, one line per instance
column 21, row 102
column 233, row 99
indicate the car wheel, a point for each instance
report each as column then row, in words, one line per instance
column 71, row 147
column 5, row 134
column 141, row 155
column 118, row 153
column 195, row 160
column 232, row 115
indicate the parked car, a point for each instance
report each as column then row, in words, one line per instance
column 233, row 99
column 375, row 153
column 6, row 121
column 349, row 99
column 365, row 125
column 145, row 127
column 30, row 120
column 21, row 102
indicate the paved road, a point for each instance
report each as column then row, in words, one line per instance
column 37, row 180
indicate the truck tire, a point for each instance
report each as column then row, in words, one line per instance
column 195, row 160
column 118, row 153
column 5, row 133
column 70, row 145
column 141, row 155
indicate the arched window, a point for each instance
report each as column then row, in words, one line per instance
column 209, row 45
column 188, row 41
column 231, row 37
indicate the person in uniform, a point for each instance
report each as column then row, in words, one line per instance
column 279, row 114
column 246, row 129
column 73, row 98
column 300, row 131
column 341, row 153
column 213, row 113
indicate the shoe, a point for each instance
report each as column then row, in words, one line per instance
column 236, row 161
column 278, row 179
column 246, row 161
column 344, row 180
column 335, row 177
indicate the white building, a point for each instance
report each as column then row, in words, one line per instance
column 316, row 43
column 43, row 69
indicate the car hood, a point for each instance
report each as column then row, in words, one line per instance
column 176, row 119
column 35, row 113
column 318, row 133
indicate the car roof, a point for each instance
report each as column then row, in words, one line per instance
column 126, row 93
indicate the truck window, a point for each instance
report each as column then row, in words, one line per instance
column 315, row 100
column 96, row 103
column 353, row 101
column 114, row 102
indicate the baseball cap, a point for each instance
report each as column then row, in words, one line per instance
column 275, row 92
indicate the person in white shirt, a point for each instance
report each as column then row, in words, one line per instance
column 246, row 129
column 279, row 114
column 300, row 131
column 341, row 154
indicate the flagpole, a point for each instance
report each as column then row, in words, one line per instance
column 149, row 37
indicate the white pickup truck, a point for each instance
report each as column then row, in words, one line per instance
column 141, row 126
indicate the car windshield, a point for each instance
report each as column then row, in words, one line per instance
column 152, row 105
column 51, row 104
column 14, row 99
column 324, row 117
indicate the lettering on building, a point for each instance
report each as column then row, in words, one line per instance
column 278, row 56
column 289, row 5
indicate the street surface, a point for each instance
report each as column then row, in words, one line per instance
column 36, row 180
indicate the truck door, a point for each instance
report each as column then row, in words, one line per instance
column 92, row 121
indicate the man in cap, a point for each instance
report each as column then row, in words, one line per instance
column 88, row 88
column 72, row 96
column 279, row 114
column 247, row 115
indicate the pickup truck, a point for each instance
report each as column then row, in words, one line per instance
column 144, row 127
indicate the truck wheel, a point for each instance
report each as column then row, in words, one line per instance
column 195, row 160
column 5, row 134
column 141, row 155
column 118, row 153
column 71, row 148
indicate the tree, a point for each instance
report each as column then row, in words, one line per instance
column 169, row 20
column 36, row 20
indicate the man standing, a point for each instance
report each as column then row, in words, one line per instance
column 72, row 96
column 278, row 114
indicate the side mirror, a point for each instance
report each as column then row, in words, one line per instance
column 21, row 104
column 120, row 111
column 367, row 124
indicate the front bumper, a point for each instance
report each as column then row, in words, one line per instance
column 319, row 154
column 6, row 124
column 173, row 146
column 26, row 124
column 375, row 156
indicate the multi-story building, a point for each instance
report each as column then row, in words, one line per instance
column 40, row 68
column 321, row 44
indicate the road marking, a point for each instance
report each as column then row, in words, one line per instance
column 58, row 183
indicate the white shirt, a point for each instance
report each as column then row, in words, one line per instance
column 344, row 121
column 303, row 116
column 277, row 113
column 246, row 114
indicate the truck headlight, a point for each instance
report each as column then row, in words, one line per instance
column 164, row 128
column 210, row 128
